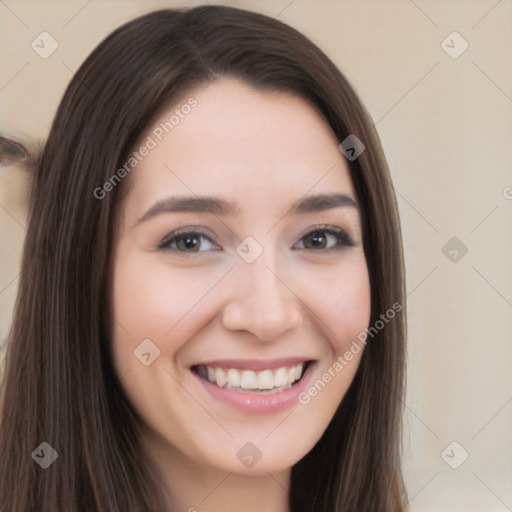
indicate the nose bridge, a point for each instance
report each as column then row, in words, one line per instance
column 261, row 300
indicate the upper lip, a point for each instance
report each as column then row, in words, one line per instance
column 254, row 364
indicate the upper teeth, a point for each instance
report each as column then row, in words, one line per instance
column 249, row 379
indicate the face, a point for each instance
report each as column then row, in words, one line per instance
column 239, row 281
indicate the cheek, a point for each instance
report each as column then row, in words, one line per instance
column 341, row 299
column 340, row 303
column 152, row 300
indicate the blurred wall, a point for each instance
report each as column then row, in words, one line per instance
column 436, row 78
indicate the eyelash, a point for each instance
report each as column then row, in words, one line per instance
column 342, row 238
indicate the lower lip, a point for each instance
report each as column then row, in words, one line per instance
column 255, row 403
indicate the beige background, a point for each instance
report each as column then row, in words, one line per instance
column 446, row 125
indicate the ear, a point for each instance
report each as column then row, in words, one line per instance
column 12, row 152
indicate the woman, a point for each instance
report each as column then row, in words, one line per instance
column 211, row 305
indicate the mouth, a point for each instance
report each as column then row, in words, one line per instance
column 267, row 381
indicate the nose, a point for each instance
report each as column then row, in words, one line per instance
column 262, row 302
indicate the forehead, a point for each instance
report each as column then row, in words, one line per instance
column 255, row 147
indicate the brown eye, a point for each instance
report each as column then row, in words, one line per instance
column 317, row 240
column 187, row 241
column 326, row 238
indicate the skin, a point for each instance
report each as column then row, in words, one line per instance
column 262, row 150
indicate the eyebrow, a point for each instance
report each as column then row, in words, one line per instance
column 221, row 207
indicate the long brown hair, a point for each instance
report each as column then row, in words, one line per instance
column 60, row 386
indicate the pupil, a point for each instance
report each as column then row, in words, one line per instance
column 190, row 242
column 318, row 239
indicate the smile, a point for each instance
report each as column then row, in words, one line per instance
column 266, row 381
column 255, row 386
